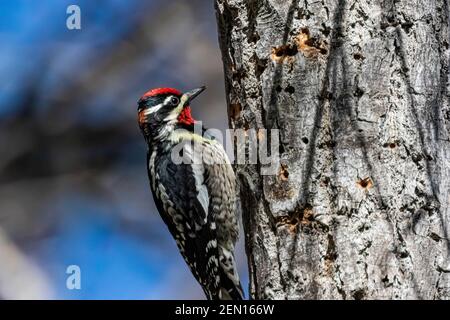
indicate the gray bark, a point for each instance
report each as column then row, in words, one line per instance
column 359, row 92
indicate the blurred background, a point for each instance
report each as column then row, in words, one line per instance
column 73, row 179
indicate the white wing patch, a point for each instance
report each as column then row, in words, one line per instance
column 202, row 191
column 198, row 170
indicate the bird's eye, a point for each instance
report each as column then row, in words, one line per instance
column 174, row 101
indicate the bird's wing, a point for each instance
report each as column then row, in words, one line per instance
column 182, row 198
column 221, row 186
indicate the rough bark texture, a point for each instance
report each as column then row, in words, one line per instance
column 359, row 92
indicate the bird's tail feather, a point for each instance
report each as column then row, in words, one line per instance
column 228, row 291
column 230, row 285
column 231, row 291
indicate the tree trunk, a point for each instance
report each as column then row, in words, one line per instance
column 359, row 208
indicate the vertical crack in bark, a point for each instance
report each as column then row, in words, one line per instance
column 411, row 92
column 304, row 188
column 401, row 52
column 272, row 116
column 248, row 201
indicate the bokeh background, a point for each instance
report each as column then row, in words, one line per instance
column 73, row 180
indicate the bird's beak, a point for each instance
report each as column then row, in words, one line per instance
column 191, row 95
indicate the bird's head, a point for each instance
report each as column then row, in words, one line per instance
column 163, row 109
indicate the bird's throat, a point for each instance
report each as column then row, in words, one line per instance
column 185, row 116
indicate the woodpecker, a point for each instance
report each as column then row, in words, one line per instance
column 196, row 196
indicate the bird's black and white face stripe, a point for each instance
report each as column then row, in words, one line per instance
column 157, row 103
column 159, row 108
